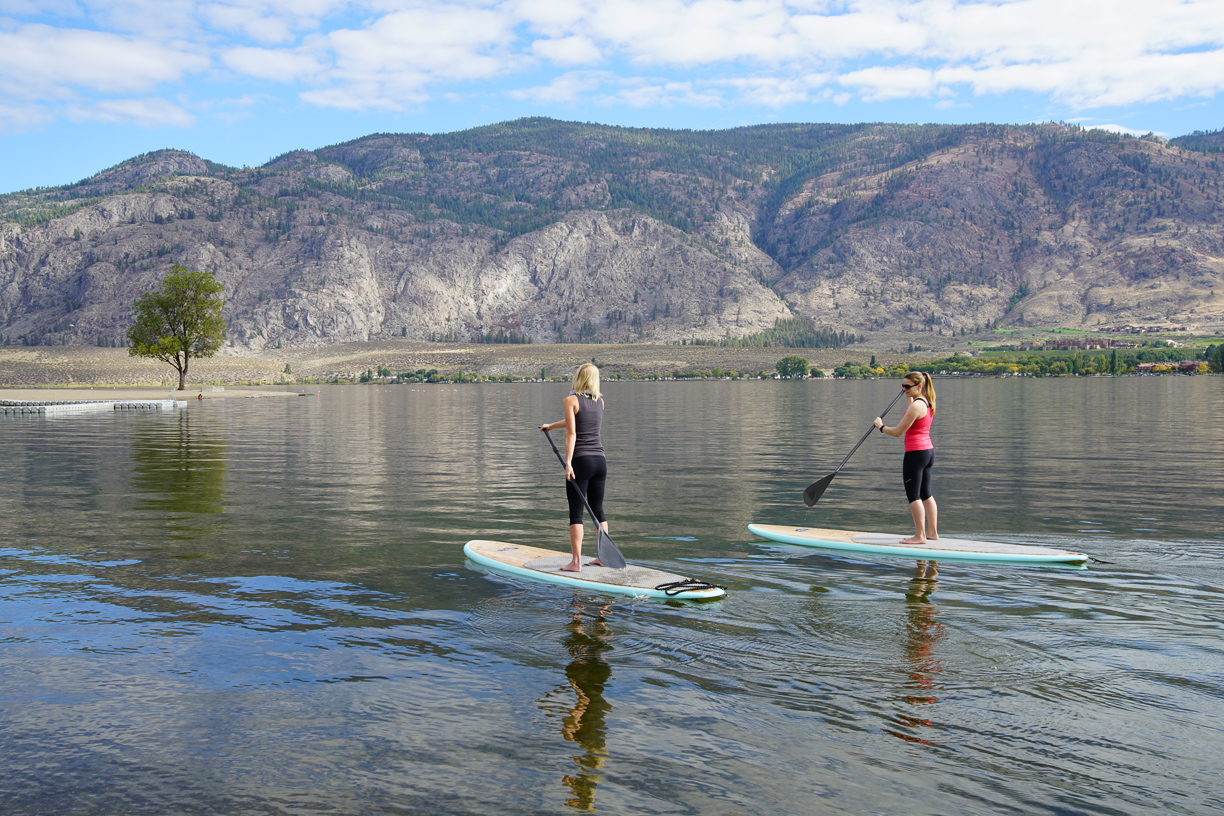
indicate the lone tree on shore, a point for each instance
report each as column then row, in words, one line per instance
column 793, row 366
column 179, row 321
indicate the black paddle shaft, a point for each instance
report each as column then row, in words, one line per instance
column 816, row 489
column 869, row 430
column 605, row 548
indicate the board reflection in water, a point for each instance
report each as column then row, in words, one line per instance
column 178, row 472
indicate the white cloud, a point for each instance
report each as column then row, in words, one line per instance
column 398, row 54
column 39, row 60
column 146, row 18
column 885, row 83
column 567, row 51
column 150, row 113
column 271, row 21
column 608, row 88
column 644, row 93
column 270, row 64
column 776, row 92
column 22, row 117
column 390, row 63
column 250, row 21
column 568, row 88
column 26, row 8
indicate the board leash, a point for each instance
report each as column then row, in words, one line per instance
column 673, row 588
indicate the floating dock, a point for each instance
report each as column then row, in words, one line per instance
column 64, row 407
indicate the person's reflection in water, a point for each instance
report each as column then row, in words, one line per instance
column 923, row 631
column 587, row 673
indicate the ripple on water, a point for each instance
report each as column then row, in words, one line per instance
column 309, row 635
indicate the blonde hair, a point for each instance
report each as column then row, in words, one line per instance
column 928, row 385
column 586, row 381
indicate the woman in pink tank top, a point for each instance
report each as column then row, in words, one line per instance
column 915, row 427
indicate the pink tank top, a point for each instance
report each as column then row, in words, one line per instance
column 918, row 437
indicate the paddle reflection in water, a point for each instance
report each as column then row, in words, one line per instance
column 923, row 632
column 582, row 721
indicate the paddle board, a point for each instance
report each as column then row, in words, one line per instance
column 958, row 549
column 537, row 564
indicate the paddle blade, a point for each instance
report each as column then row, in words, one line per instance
column 816, row 489
column 608, row 553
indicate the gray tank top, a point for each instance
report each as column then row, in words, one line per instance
column 589, row 420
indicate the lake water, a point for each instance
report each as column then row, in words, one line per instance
column 261, row 606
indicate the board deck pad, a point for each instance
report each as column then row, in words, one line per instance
column 536, row 563
column 890, row 544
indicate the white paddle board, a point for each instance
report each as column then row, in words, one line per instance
column 537, row 564
column 959, row 549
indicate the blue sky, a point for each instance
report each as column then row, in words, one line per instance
column 85, row 84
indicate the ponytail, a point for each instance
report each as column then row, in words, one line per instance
column 928, row 390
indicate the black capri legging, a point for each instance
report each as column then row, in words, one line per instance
column 590, row 476
column 916, row 473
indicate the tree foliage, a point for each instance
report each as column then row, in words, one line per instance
column 1079, row 363
column 179, row 321
column 1215, row 358
column 792, row 366
column 795, row 332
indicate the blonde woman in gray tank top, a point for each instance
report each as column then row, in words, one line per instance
column 586, row 468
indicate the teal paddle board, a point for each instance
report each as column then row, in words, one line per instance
column 537, row 564
column 957, row 549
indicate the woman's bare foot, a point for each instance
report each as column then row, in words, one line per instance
column 913, row 540
column 595, row 563
column 573, row 566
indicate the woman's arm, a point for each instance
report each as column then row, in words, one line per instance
column 913, row 413
column 569, row 406
column 570, row 409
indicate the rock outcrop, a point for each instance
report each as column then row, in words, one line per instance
column 557, row 231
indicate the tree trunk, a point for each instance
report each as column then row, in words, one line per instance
column 183, row 377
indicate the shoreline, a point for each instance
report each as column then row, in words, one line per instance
column 86, row 393
column 83, row 367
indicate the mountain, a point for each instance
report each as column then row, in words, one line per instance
column 565, row 231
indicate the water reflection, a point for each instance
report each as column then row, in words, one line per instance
column 178, row 471
column 137, row 683
column 923, row 631
column 583, row 717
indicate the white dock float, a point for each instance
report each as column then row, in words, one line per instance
column 66, row 408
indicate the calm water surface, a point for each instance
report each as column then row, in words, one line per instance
column 262, row 607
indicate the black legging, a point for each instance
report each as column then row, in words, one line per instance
column 916, row 473
column 590, row 474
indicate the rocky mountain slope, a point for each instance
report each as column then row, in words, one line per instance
column 563, row 231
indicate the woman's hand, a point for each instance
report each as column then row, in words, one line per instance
column 879, row 423
column 569, row 472
column 545, row 428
